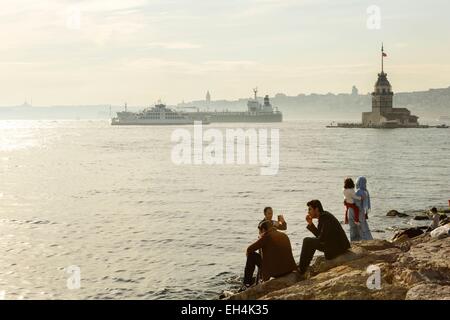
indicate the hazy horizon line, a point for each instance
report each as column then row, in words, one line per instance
column 26, row 102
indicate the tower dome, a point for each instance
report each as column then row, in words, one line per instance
column 383, row 85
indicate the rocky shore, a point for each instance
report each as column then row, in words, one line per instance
column 412, row 269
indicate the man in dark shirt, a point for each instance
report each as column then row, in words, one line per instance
column 329, row 238
column 276, row 259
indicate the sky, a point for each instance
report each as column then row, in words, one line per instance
column 73, row 52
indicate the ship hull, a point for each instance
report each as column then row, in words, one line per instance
column 224, row 117
column 144, row 122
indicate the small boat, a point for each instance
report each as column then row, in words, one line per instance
column 442, row 126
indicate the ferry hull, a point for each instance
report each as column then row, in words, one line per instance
column 138, row 122
column 223, row 117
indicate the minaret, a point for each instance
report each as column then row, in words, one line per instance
column 208, row 98
column 382, row 97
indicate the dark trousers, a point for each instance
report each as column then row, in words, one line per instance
column 309, row 247
column 253, row 260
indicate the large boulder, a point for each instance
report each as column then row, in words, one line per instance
column 427, row 255
column 429, row 291
column 422, row 271
column 321, row 264
column 392, row 213
column 410, row 233
column 264, row 288
column 374, row 245
column 422, row 217
column 441, row 232
column 341, row 283
column 395, row 213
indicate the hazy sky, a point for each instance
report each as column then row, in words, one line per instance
column 142, row 50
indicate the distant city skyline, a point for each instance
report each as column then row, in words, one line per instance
column 354, row 91
column 68, row 52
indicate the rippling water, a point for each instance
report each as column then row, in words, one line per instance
column 110, row 200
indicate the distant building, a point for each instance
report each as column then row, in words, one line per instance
column 208, row 98
column 355, row 91
column 382, row 101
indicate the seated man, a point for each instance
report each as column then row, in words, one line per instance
column 329, row 238
column 276, row 259
column 280, row 224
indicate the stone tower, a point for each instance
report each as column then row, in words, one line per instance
column 383, row 113
column 382, row 96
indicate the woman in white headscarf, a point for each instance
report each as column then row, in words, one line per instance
column 364, row 207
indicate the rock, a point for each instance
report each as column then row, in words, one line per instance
column 341, row 283
column 374, row 245
column 421, row 271
column 429, row 291
column 425, row 257
column 420, row 240
column 444, row 221
column 321, row 264
column 262, row 289
column 410, row 233
column 395, row 213
column 392, row 213
column 226, row 294
column 400, row 240
column 404, row 246
column 441, row 232
column 387, row 255
column 421, row 217
column 412, row 277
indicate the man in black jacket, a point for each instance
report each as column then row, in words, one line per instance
column 330, row 237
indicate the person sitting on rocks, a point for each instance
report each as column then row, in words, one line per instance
column 276, row 259
column 329, row 238
column 280, row 224
column 435, row 216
